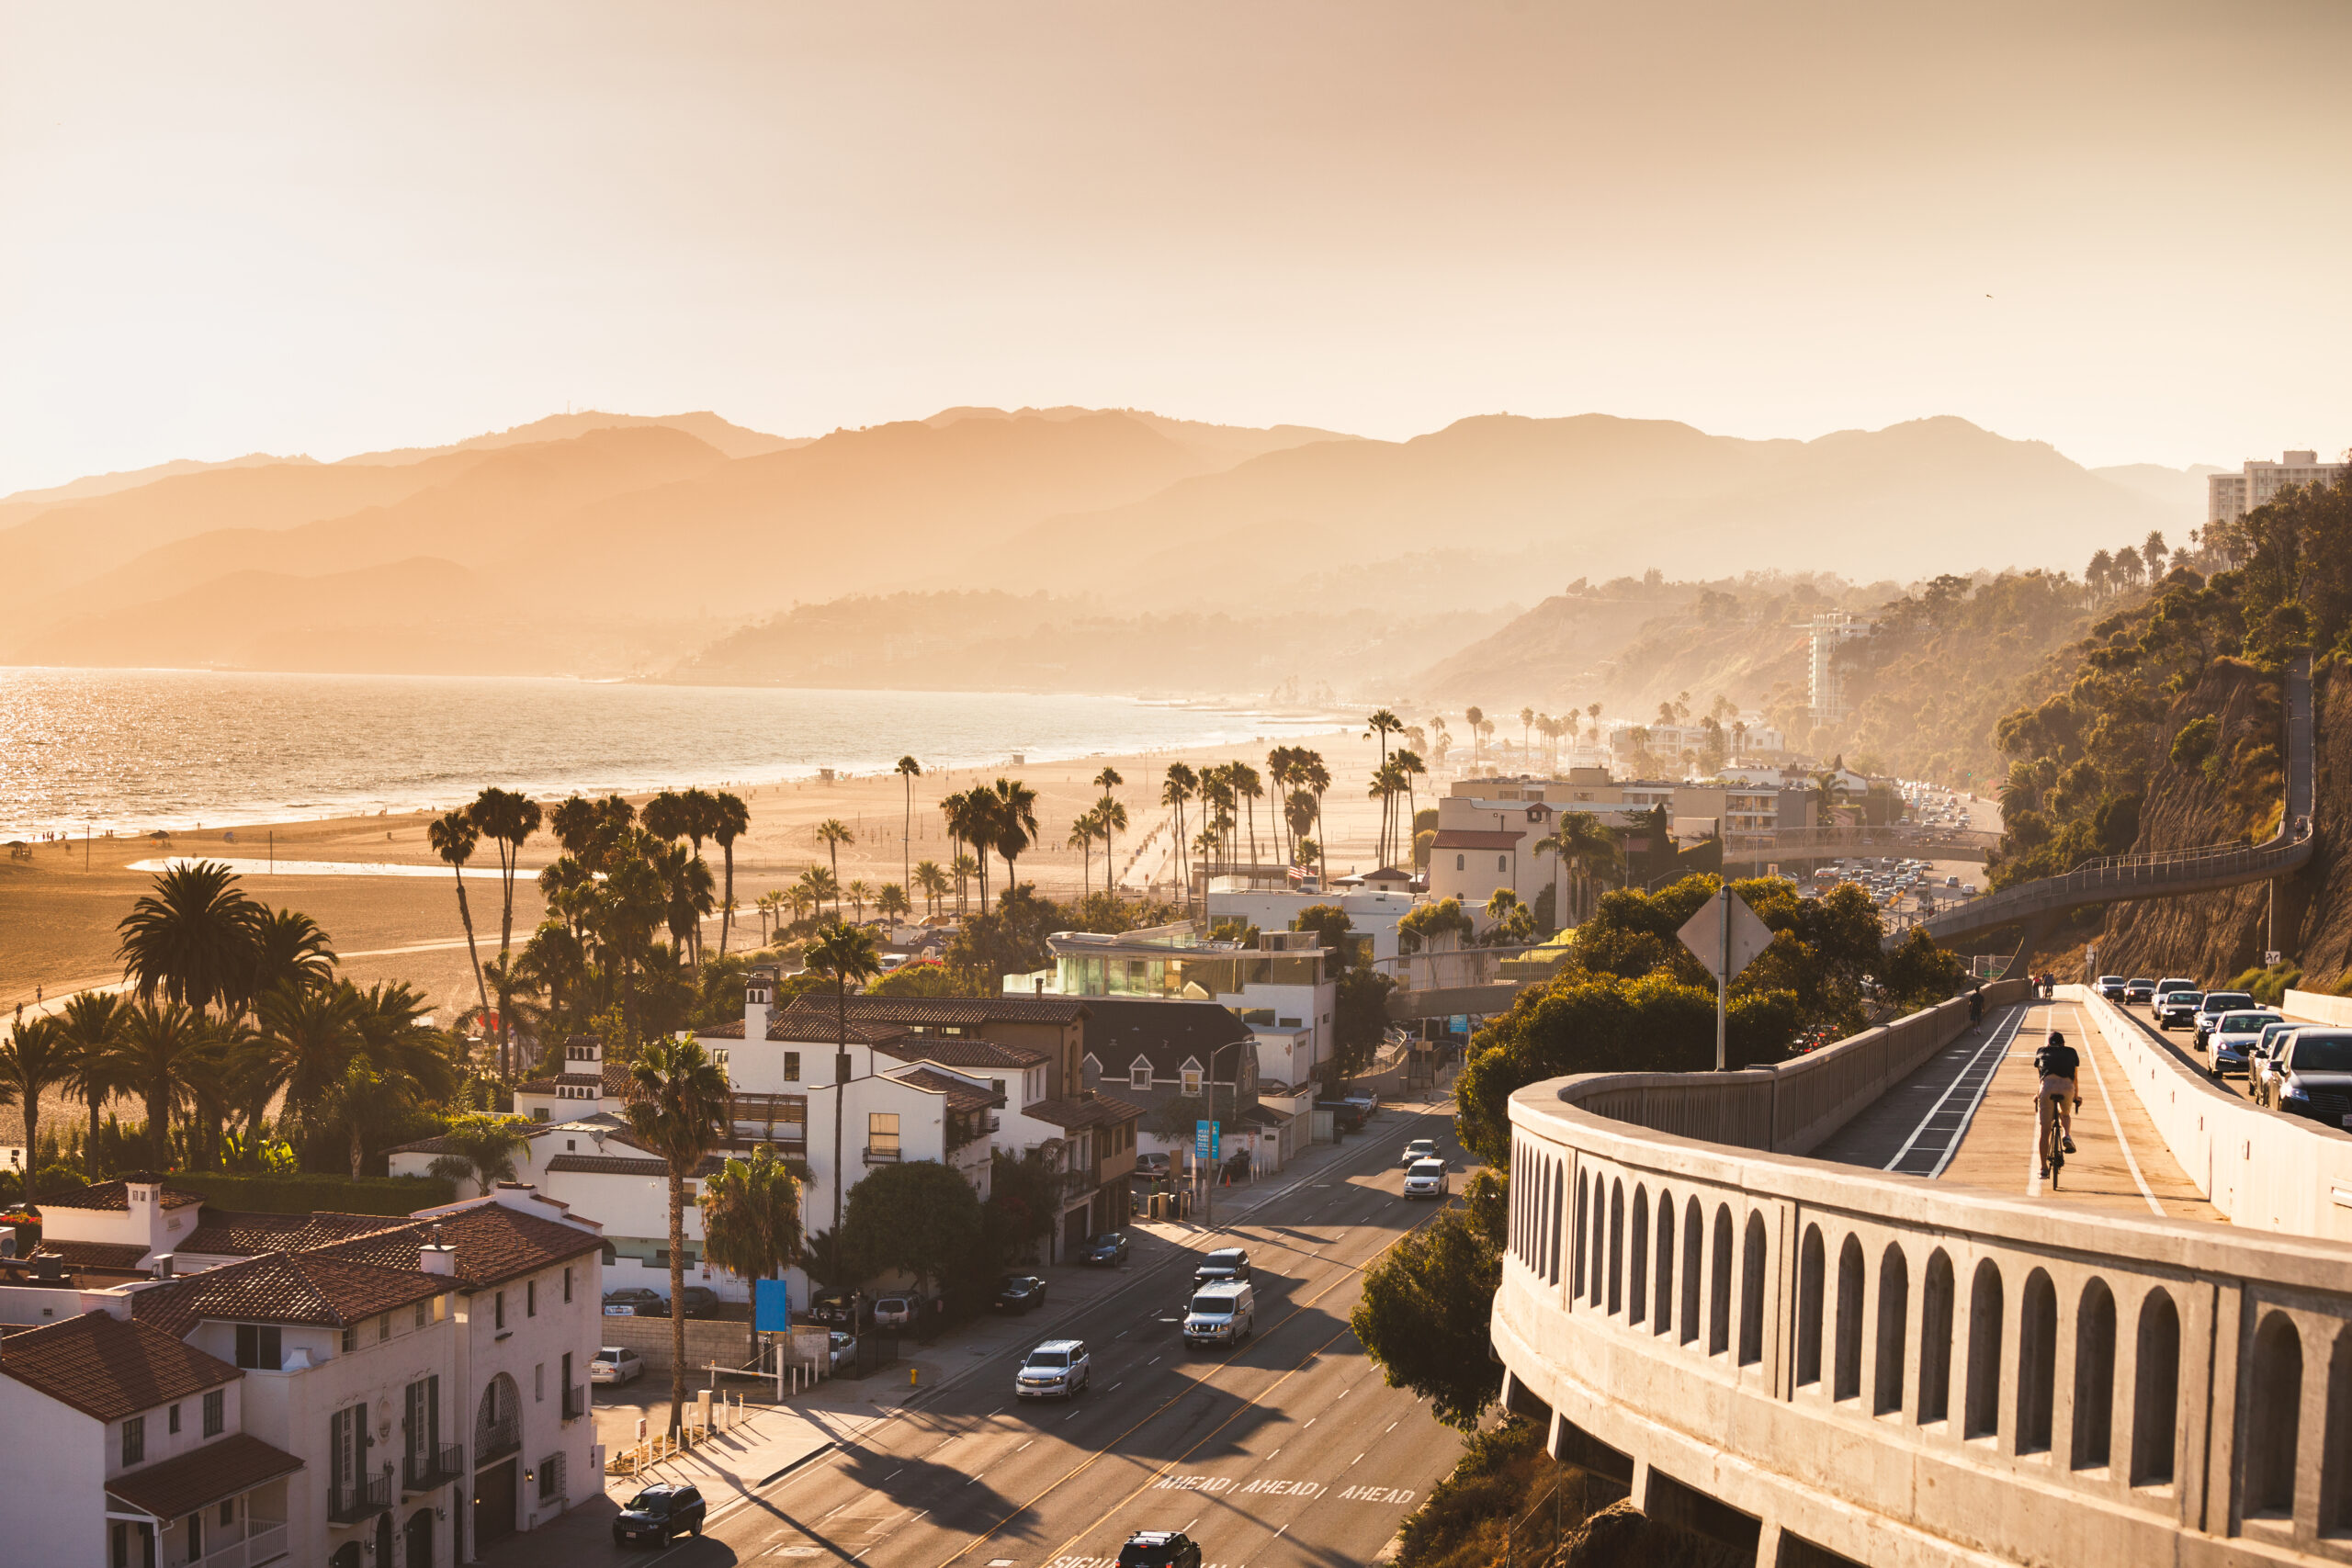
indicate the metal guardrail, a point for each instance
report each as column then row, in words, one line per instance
column 435, row 1466
column 355, row 1500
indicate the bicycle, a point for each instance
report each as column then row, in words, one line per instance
column 2052, row 1141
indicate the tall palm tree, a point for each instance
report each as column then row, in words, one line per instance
column 1108, row 781
column 166, row 1050
column 966, row 869
column 1111, row 815
column 363, row 1101
column 453, row 836
column 677, row 1108
column 288, row 949
column 1246, row 785
column 1477, row 721
column 729, row 820
column 890, row 900
column 932, row 883
column 1013, row 822
column 506, row 819
column 1584, row 847
column 1526, row 723
column 821, row 887
column 1174, row 791
column 191, row 940
column 1317, row 778
column 91, row 1022
column 305, row 1045
column 36, row 1058
column 909, row 770
column 833, row 833
column 1410, row 766
column 750, row 1218
column 1084, row 828
column 861, row 894
column 633, row 901
column 841, row 953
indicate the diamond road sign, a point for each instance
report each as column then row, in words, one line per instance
column 1703, row 934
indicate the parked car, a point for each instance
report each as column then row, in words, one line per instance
column 2233, row 1039
column 1020, row 1292
column 2138, row 992
column 658, row 1513
column 2315, row 1076
column 636, row 1301
column 1417, row 1151
column 701, row 1301
column 2178, row 1010
column 1347, row 1116
column 900, row 1310
column 1369, row 1102
column 1427, row 1179
column 838, row 1308
column 841, row 1347
column 1154, row 1165
column 1159, row 1548
column 1109, row 1248
column 615, row 1365
column 1224, row 1263
column 1057, row 1368
column 2215, row 1005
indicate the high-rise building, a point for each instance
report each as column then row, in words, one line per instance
column 1830, row 628
column 2229, row 497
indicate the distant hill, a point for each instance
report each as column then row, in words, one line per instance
column 2182, row 489
column 1216, row 445
column 130, row 478
column 732, row 440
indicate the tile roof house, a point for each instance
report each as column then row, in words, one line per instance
column 313, row 1289
column 107, row 1367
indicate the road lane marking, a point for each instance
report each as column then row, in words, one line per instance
column 1951, row 1145
column 2113, row 1120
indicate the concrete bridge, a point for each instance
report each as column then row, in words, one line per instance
column 1828, row 1312
column 2035, row 908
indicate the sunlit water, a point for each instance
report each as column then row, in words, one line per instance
column 140, row 749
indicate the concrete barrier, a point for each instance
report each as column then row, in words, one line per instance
column 2320, row 1007
column 2263, row 1169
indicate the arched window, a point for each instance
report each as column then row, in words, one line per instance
column 1576, row 1253
column 1894, row 1326
column 1812, row 1270
column 2272, row 1416
column 2155, row 1391
column 1551, row 1241
column 1502, row 863
column 1751, row 1291
column 1847, row 1381
column 1719, row 1285
column 2036, row 1362
column 1983, row 1409
column 1637, row 1250
column 1616, row 1245
column 1460, row 863
column 2093, row 1376
column 1599, row 1238
column 2336, row 1457
column 1935, row 1340
column 1662, row 1320
column 1694, row 1237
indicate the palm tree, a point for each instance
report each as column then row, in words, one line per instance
column 729, row 820
column 307, row 1039
column 1317, row 778
column 1477, row 721
column 677, row 1108
column 843, row 954
column 1584, row 846
column 91, row 1022
column 288, row 949
column 1084, row 828
column 909, row 770
column 861, row 894
column 891, row 901
column 363, row 1100
column 965, row 869
column 1248, row 787
column 1409, row 767
column 1013, row 824
column 1112, row 817
column 820, row 886
column 480, row 1147
column 506, row 819
column 191, row 940
column 453, row 836
column 35, row 1059
column 1174, row 792
column 633, row 901
column 1526, row 723
column 166, row 1050
column 833, row 833
column 932, row 883
column 771, row 907
column 750, row 1218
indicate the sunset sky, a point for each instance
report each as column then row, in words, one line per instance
column 2120, row 229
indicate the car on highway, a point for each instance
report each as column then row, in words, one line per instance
column 2262, row 1067
column 1427, row 1179
column 2111, row 987
column 1221, row 1314
column 2214, row 1005
column 1059, row 1368
column 2232, row 1038
column 2169, row 983
column 636, row 1301
column 1107, row 1250
column 1159, row 1548
column 2139, row 992
column 902, row 1309
column 1224, row 1263
column 1020, row 1292
column 615, row 1364
column 1417, row 1151
column 656, row 1514
column 2178, row 1010
column 2315, row 1076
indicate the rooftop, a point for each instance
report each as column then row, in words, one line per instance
column 933, row 1011
column 964, row 1051
column 1074, row 1112
column 493, row 1243
column 201, row 1477
column 107, row 1368
column 228, row 1234
column 286, row 1287
column 961, row 1096
column 116, row 1195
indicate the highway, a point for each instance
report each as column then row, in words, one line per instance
column 1289, row 1451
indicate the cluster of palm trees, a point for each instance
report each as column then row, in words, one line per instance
column 1001, row 817
column 231, row 1008
column 1106, row 819
column 1567, row 727
column 1227, row 796
column 1590, row 854
column 1394, row 777
column 2132, row 565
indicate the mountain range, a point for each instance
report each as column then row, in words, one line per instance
column 599, row 544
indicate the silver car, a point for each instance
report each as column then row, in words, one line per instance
column 1427, row 1179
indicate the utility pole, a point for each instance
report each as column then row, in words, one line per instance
column 1722, row 968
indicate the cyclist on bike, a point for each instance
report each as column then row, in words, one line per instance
column 2055, row 1101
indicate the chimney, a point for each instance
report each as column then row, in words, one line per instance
column 434, row 1258
column 759, row 991
column 163, row 1266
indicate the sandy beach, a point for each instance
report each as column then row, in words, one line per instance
column 58, row 910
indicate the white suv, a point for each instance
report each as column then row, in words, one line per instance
column 1059, row 1367
column 1427, row 1179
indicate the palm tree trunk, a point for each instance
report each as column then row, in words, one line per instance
column 90, row 1147
column 1322, row 845
column 159, row 1128
column 508, row 853
column 465, row 914
column 727, row 899
column 677, row 1296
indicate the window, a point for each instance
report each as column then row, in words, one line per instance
column 1461, row 862
column 567, row 1283
column 258, row 1347
column 383, row 1326
column 1502, row 863
column 134, row 1440
column 792, row 1066
column 1191, row 1082
column 351, row 1338
column 612, row 1254
column 423, row 1313
column 882, row 1132
column 1139, row 1076
column 346, row 1447
column 530, row 1298
column 551, row 1478
column 539, row 1381
column 538, row 1113
column 172, row 1420
column 216, row 1413
column 498, row 1310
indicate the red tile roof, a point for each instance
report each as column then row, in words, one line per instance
column 965, row 1010
column 116, row 1195
column 228, row 1234
column 180, row 1485
column 117, row 1256
column 961, row 1096
column 1072, row 1113
column 286, row 1287
column 614, row 1165
column 954, row 1051
column 107, row 1368
column 494, row 1243
column 1475, row 839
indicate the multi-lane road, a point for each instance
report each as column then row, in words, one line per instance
column 1289, row 1451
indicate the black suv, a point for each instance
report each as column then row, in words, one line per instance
column 1020, row 1292
column 701, row 1301
column 658, row 1513
column 1161, row 1549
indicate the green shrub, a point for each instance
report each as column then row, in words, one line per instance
column 309, row 1192
column 2269, row 986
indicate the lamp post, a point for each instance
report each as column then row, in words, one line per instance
column 1208, row 1187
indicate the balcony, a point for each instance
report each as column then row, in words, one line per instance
column 881, row 1153
column 265, row 1542
column 353, row 1501
column 496, row 1444
column 575, row 1402
column 436, row 1466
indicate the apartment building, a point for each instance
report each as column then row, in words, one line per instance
column 2229, row 497
column 1830, row 630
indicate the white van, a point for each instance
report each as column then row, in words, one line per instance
column 1221, row 1314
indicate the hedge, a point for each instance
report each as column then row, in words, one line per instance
column 308, row 1191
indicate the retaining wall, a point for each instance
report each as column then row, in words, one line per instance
column 2320, row 1007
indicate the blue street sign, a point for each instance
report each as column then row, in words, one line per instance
column 770, row 1307
column 1206, row 1141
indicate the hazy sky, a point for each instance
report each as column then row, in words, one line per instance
column 316, row 228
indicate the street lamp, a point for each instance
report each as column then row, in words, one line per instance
column 1208, row 1189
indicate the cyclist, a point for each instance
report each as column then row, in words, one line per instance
column 1975, row 1006
column 2055, row 1066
